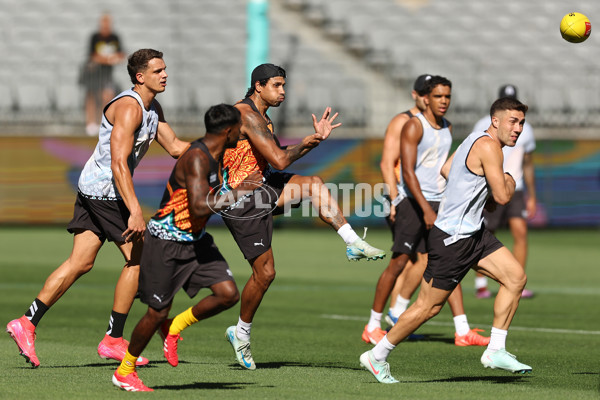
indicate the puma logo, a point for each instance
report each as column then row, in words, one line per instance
column 259, row 244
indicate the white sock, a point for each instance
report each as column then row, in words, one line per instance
column 399, row 307
column 497, row 339
column 242, row 330
column 382, row 350
column 374, row 321
column 480, row 282
column 347, row 233
column 461, row 325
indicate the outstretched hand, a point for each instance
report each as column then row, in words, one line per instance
column 324, row 126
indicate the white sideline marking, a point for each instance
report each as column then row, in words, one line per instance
column 435, row 323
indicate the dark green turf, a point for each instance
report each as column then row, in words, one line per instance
column 301, row 351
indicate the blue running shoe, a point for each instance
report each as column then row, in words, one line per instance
column 241, row 349
column 360, row 249
column 390, row 319
column 379, row 369
column 502, row 359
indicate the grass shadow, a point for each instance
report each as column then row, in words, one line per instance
column 272, row 365
column 428, row 337
column 209, row 386
column 489, row 379
column 295, row 364
column 113, row 364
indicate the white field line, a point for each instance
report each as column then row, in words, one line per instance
column 435, row 323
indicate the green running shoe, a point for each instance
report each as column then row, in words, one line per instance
column 241, row 349
column 379, row 369
column 360, row 249
column 502, row 359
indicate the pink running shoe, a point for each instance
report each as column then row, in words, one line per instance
column 22, row 332
column 471, row 339
column 526, row 294
column 115, row 349
column 170, row 349
column 373, row 337
column 483, row 293
column 131, row 382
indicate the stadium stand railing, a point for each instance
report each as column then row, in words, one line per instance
column 479, row 45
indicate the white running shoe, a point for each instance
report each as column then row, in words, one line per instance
column 379, row 369
column 502, row 359
column 241, row 349
column 360, row 249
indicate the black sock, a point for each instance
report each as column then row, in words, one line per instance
column 36, row 311
column 116, row 324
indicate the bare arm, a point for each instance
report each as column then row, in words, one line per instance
column 165, row 136
column 529, row 180
column 255, row 128
column 194, row 167
column 411, row 136
column 390, row 156
column 127, row 116
column 486, row 157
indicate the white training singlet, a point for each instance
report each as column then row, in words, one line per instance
column 432, row 152
column 513, row 156
column 96, row 179
column 461, row 210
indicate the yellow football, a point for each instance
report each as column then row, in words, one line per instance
column 575, row 27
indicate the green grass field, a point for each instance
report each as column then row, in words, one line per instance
column 306, row 335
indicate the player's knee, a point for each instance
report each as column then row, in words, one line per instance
column 315, row 184
column 86, row 268
column 520, row 235
column 263, row 270
column 425, row 310
column 158, row 316
column 80, row 268
column 517, row 281
column 231, row 299
column 397, row 265
column 267, row 276
column 434, row 310
column 522, row 281
column 518, row 228
column 316, row 180
column 228, row 295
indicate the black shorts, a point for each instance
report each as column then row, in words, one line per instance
column 408, row 230
column 448, row 265
column 499, row 217
column 168, row 266
column 251, row 223
column 106, row 218
column 96, row 78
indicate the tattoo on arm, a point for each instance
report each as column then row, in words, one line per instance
column 295, row 152
column 258, row 126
